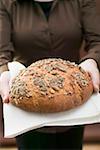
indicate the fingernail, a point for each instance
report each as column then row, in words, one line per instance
column 5, row 99
column 97, row 89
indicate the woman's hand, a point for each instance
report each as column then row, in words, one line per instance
column 5, row 86
column 7, row 77
column 90, row 66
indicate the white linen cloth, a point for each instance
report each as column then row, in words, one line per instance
column 17, row 121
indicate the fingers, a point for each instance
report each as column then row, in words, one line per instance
column 4, row 86
column 91, row 67
column 95, row 79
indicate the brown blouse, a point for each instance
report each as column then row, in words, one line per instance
column 26, row 35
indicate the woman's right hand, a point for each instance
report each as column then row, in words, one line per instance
column 5, row 86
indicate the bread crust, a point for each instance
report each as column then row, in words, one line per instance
column 51, row 85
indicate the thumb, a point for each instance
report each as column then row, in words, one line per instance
column 96, row 80
column 5, row 95
column 4, row 86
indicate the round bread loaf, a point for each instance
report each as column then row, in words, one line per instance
column 51, row 85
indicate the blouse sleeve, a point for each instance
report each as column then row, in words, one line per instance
column 91, row 30
column 6, row 46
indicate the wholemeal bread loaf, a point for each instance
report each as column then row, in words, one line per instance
column 51, row 85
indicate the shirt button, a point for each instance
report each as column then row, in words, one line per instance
column 51, row 34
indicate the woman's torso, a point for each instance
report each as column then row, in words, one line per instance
column 35, row 37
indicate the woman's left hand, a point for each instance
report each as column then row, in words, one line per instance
column 90, row 66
